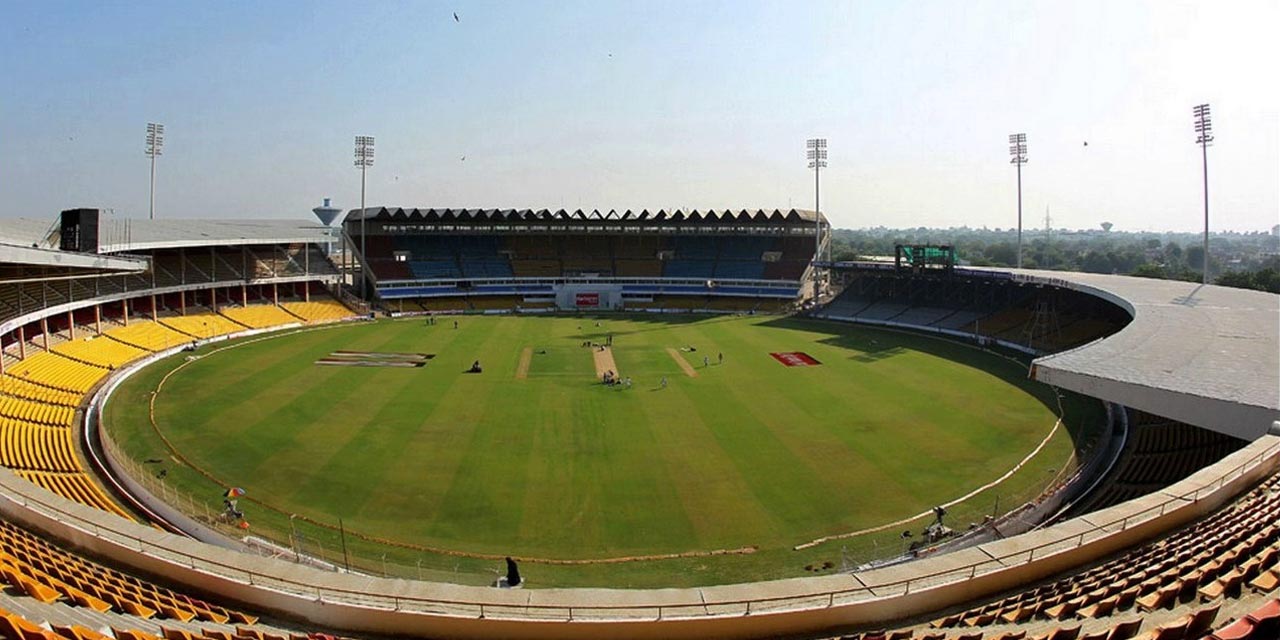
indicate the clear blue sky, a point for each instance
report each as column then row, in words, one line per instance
column 647, row 105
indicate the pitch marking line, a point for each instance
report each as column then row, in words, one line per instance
column 522, row 370
column 604, row 361
column 684, row 364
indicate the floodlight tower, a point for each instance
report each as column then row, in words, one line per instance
column 816, row 153
column 364, row 160
column 1018, row 157
column 1204, row 127
column 155, row 144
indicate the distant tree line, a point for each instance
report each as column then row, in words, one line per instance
column 1244, row 260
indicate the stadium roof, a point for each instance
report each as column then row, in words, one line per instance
column 129, row 234
column 1204, row 355
column 743, row 216
column 12, row 255
column 134, row 235
column 27, row 232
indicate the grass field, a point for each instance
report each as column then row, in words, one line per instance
column 535, row 458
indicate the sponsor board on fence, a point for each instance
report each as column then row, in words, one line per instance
column 586, row 299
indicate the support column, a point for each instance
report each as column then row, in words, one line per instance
column 71, row 324
column 22, row 342
column 244, row 296
column 155, row 310
column 306, row 292
column 213, row 296
column 97, row 318
column 44, row 332
column 182, row 301
column 275, row 293
column 124, row 304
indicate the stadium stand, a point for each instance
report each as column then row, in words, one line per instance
column 973, row 303
column 202, row 325
column 149, row 335
column 262, row 316
column 318, row 310
column 51, row 574
column 38, row 394
column 1160, row 452
column 447, row 260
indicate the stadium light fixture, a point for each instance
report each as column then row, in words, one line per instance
column 1018, row 157
column 364, row 160
column 155, row 147
column 1204, row 138
column 816, row 154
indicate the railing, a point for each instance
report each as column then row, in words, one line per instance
column 219, row 565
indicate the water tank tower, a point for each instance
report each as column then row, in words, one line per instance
column 327, row 213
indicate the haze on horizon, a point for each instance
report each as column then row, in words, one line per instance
column 648, row 105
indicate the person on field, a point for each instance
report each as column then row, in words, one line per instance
column 720, row 356
column 663, row 383
column 455, row 324
column 706, row 361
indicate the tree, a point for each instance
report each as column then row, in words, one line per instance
column 1150, row 270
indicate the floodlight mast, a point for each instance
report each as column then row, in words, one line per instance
column 364, row 160
column 1204, row 129
column 1018, row 157
column 155, row 145
column 816, row 153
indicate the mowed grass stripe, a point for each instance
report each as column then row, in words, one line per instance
column 784, row 485
column 643, row 512
column 485, row 490
column 894, row 456
column 563, row 496
column 381, row 448
column 256, row 417
column 239, row 376
column 800, row 415
column 716, row 496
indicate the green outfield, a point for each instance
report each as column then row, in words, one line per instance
column 536, row 458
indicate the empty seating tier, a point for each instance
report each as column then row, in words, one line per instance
column 202, row 325
column 258, row 316
column 99, row 352
column 52, row 574
column 318, row 310
column 149, row 335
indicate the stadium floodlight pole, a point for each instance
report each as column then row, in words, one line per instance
column 155, row 145
column 1204, row 127
column 1018, row 157
column 364, row 160
column 816, row 153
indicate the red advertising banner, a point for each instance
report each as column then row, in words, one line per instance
column 587, row 299
column 795, row 359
